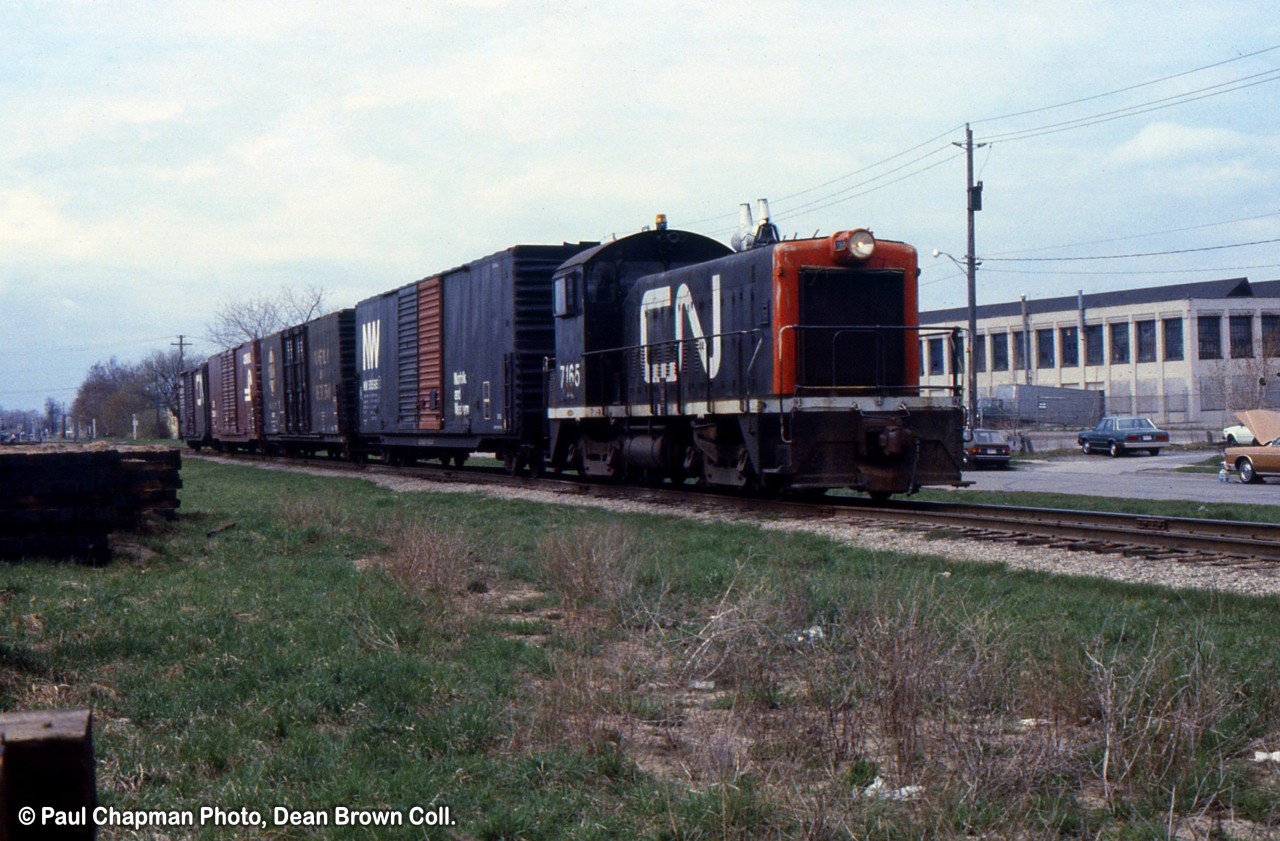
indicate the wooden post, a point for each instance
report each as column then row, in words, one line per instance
column 46, row 760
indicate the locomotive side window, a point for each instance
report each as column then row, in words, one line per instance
column 602, row 286
column 565, row 295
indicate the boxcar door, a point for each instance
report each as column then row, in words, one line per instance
column 430, row 355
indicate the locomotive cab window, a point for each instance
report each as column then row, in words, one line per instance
column 565, row 295
column 602, row 286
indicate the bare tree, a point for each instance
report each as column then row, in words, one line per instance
column 236, row 322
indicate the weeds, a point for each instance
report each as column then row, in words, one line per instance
column 429, row 560
column 729, row 683
column 590, row 564
column 1163, row 714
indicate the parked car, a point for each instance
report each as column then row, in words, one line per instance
column 1262, row 458
column 1238, row 435
column 1118, row 435
column 987, row 447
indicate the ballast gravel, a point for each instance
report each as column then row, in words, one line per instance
column 1258, row 579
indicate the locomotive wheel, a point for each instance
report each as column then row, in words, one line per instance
column 459, row 459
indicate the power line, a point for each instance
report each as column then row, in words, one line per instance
column 1134, row 110
column 1139, row 236
column 1127, row 256
column 846, row 193
column 783, row 199
column 1128, row 88
column 87, row 348
column 1210, row 270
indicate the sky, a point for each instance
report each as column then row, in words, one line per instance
column 159, row 160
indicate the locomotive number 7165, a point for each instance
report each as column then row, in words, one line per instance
column 570, row 375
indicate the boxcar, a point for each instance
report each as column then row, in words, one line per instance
column 308, row 403
column 193, row 400
column 235, row 398
column 453, row 363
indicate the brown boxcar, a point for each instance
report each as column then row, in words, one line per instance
column 235, row 398
column 193, row 403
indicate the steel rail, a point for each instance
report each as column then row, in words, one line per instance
column 1094, row 530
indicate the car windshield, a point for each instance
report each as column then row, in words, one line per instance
column 1135, row 423
column 986, row 436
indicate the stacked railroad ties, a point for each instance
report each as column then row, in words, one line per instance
column 61, row 501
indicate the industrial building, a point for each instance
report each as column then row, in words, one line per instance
column 1187, row 355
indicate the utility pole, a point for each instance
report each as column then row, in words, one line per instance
column 181, row 345
column 975, row 204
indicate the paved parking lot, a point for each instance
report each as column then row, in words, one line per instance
column 1134, row 476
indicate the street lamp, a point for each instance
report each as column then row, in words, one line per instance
column 971, row 270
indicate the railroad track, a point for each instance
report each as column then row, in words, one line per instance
column 1156, row 537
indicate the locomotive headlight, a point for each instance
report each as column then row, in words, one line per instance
column 861, row 244
column 853, row 246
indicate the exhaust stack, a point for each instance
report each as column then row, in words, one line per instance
column 751, row 233
column 745, row 235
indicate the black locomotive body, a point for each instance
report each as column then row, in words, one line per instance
column 790, row 365
column 659, row 356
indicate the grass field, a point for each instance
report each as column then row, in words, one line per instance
column 552, row 672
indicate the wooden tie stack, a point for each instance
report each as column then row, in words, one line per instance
column 61, row 501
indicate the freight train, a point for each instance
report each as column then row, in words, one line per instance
column 660, row 356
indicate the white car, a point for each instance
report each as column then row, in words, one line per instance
column 1239, row 435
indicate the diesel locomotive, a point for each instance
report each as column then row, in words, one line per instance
column 660, row 356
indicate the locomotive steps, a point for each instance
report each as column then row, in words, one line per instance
column 64, row 501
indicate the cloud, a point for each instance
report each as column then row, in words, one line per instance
column 1163, row 143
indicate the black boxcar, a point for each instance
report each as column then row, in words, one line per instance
column 235, row 398
column 193, row 406
column 307, row 400
column 454, row 363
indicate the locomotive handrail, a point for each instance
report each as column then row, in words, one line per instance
column 875, row 330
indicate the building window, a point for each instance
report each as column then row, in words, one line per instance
column 1119, row 343
column 957, row 360
column 924, row 354
column 1209, row 336
column 980, row 353
column 935, row 356
column 1241, row 329
column 1070, row 338
column 1093, row 344
column 1019, row 350
column 1000, row 352
column 1044, row 348
column 1173, row 339
column 1271, row 336
column 1146, row 340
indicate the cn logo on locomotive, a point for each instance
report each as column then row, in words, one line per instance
column 659, row 299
